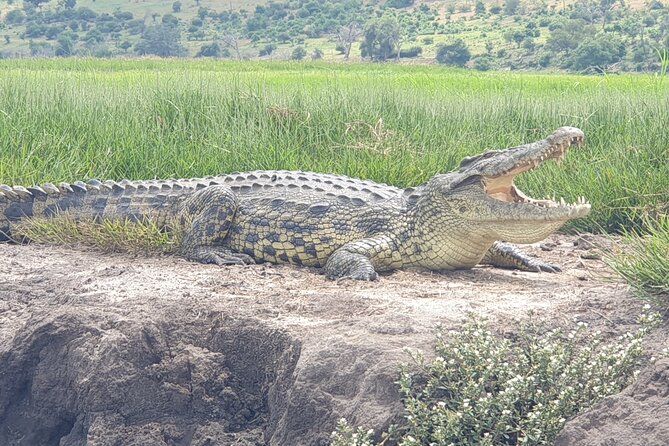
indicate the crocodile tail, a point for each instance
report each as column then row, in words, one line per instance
column 18, row 203
column 95, row 200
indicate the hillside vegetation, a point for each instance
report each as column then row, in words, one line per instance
column 581, row 35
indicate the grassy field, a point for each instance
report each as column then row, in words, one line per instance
column 66, row 120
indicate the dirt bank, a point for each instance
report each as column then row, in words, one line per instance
column 107, row 349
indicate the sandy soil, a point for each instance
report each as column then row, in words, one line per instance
column 108, row 349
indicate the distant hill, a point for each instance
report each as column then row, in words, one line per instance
column 577, row 35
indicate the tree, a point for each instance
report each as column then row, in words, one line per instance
column 597, row 52
column 35, row 3
column 516, row 36
column 511, row 7
column 528, row 44
column 230, row 41
column 125, row 45
column 382, row 38
column 480, row 7
column 606, row 6
column 347, row 35
column 483, row 63
column 489, row 47
column 169, row 19
column 267, row 50
column 15, row 17
column 455, row 53
column 67, row 4
column 86, row 14
column 399, row 3
column 65, row 46
column 283, row 37
column 161, row 40
column 40, row 48
column 176, row 6
column 567, row 35
column 211, row 50
column 299, row 53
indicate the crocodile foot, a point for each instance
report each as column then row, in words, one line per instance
column 219, row 256
column 539, row 266
column 343, row 264
column 504, row 255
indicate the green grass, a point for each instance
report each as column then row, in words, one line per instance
column 643, row 260
column 65, row 120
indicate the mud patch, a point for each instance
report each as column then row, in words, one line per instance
column 638, row 416
column 120, row 350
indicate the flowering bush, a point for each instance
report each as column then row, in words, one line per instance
column 484, row 390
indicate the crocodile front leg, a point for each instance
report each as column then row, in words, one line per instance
column 504, row 255
column 206, row 218
column 361, row 259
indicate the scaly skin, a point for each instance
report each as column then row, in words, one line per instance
column 351, row 228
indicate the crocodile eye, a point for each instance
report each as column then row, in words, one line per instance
column 462, row 209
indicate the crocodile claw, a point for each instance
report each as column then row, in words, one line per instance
column 539, row 267
column 359, row 275
column 220, row 256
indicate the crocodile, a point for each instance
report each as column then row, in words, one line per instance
column 350, row 228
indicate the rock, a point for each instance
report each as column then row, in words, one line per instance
column 637, row 416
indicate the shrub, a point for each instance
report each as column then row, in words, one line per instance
column 15, row 17
column 176, row 6
column 414, row 51
column 455, row 53
column 211, row 50
column 399, row 3
column 267, row 50
column 483, row 63
column 86, row 14
column 169, row 19
column 482, row 390
column 299, row 53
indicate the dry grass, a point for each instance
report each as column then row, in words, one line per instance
column 108, row 236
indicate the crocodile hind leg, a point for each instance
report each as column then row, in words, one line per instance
column 504, row 255
column 206, row 218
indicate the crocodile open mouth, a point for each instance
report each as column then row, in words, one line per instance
column 502, row 187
